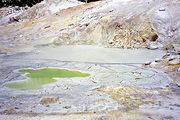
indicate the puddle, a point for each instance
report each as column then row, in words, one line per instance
column 39, row 77
column 95, row 54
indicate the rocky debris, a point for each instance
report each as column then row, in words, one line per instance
column 178, row 84
column 67, row 107
column 162, row 9
column 157, row 60
column 49, row 100
column 14, row 19
column 174, row 61
column 147, row 63
column 176, row 47
column 5, row 11
column 154, row 45
column 11, row 14
column 155, row 65
column 169, row 62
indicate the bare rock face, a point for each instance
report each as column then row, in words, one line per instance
column 110, row 27
column 128, row 24
column 108, row 23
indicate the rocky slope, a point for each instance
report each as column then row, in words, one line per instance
column 113, row 23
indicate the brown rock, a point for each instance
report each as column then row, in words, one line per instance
column 153, row 37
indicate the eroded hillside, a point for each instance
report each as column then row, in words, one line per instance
column 122, row 24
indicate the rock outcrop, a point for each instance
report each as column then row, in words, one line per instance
column 107, row 24
column 114, row 23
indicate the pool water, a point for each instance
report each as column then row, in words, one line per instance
column 36, row 78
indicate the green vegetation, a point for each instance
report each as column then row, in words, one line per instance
column 40, row 77
column 5, row 3
column 18, row 2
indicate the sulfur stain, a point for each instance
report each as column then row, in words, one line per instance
column 128, row 96
column 49, row 100
column 40, row 77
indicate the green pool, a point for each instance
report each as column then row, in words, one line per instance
column 36, row 78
